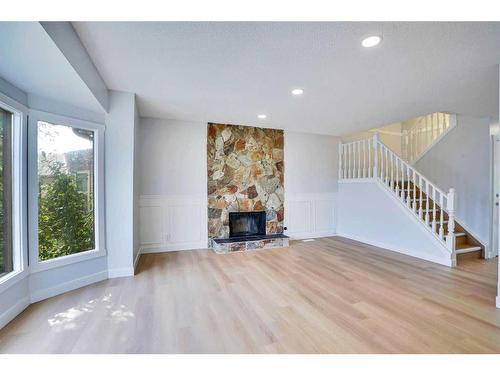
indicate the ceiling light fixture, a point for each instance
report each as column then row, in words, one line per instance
column 262, row 116
column 371, row 41
column 297, row 91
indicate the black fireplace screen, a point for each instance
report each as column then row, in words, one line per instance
column 251, row 223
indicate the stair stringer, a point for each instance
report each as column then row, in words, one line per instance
column 369, row 212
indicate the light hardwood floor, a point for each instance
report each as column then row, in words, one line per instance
column 332, row 295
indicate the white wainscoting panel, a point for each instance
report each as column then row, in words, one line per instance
column 310, row 215
column 172, row 222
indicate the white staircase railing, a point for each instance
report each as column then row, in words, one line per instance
column 420, row 134
column 372, row 159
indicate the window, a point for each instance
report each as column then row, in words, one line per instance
column 65, row 190
column 66, row 222
column 6, row 249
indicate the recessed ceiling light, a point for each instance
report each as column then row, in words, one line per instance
column 297, row 91
column 371, row 41
column 262, row 116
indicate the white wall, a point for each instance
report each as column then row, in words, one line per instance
column 119, row 180
column 311, row 172
column 172, row 173
column 367, row 212
column 172, row 157
column 461, row 160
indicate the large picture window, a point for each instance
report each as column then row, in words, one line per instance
column 66, row 219
column 65, row 190
column 6, row 249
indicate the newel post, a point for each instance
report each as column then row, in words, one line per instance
column 375, row 155
column 450, row 207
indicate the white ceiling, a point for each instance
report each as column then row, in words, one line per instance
column 32, row 62
column 230, row 72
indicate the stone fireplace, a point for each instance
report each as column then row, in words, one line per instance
column 245, row 175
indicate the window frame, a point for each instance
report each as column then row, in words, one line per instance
column 19, row 196
column 35, row 264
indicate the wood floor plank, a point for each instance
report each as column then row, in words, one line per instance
column 332, row 295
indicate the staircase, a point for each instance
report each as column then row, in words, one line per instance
column 370, row 159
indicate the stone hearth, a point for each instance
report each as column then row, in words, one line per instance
column 228, row 245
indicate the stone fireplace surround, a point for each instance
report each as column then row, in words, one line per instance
column 247, row 231
column 245, row 170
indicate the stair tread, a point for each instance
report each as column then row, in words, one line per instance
column 467, row 248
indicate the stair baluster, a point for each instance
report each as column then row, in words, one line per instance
column 355, row 161
column 386, row 164
column 349, row 156
column 370, row 170
column 341, row 146
column 397, row 177
column 364, row 159
column 427, row 207
column 441, row 215
column 450, row 207
column 414, row 192
column 420, row 189
column 359, row 159
column 408, row 196
column 392, row 171
column 434, row 209
column 402, row 182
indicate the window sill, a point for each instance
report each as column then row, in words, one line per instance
column 66, row 260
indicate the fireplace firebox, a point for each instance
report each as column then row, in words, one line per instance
column 247, row 224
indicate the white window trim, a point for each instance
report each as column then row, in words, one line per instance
column 35, row 264
column 19, row 217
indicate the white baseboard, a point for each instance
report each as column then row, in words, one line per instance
column 14, row 311
column 305, row 235
column 67, row 286
column 174, row 247
column 444, row 262
column 120, row 272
